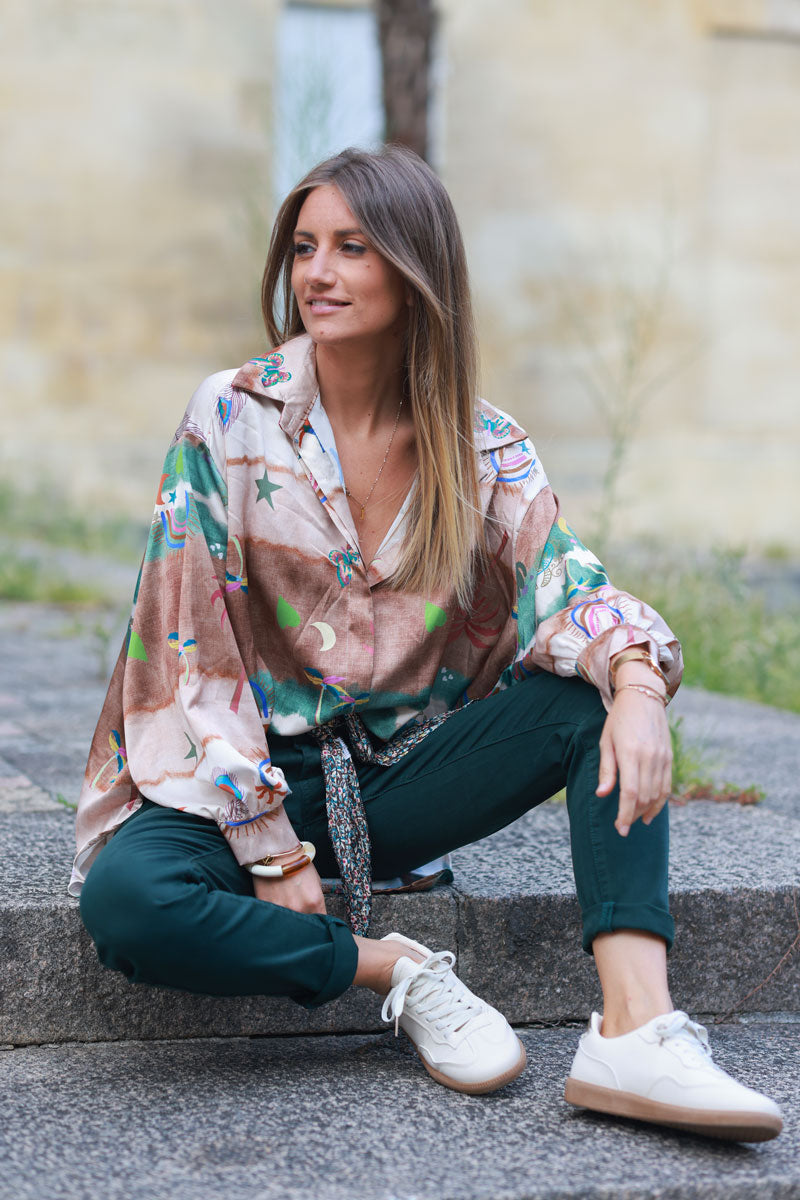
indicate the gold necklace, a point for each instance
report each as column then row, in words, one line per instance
column 347, row 491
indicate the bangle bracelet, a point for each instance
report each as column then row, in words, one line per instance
column 299, row 864
column 281, row 870
column 645, row 689
column 636, row 654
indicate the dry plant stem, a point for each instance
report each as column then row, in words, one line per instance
column 775, row 970
column 621, row 382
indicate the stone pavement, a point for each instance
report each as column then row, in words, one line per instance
column 357, row 1118
column 207, row 1100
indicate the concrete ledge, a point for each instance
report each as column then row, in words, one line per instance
column 735, row 876
column 54, row 989
column 735, row 884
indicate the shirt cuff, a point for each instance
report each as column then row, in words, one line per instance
column 270, row 832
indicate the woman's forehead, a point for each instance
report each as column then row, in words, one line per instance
column 326, row 205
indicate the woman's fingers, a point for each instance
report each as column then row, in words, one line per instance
column 636, row 737
column 651, row 794
column 607, row 775
column 664, row 790
column 629, row 794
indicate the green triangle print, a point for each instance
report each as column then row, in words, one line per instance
column 287, row 615
column 136, row 647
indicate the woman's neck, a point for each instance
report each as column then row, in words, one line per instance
column 361, row 388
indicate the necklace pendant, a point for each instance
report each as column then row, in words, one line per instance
column 361, row 518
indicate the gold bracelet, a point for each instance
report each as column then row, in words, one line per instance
column 636, row 654
column 645, row 689
column 269, row 859
column 281, row 870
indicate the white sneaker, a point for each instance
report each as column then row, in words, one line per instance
column 463, row 1042
column 663, row 1072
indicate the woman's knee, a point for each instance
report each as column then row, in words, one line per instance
column 587, row 717
column 582, row 751
column 124, row 911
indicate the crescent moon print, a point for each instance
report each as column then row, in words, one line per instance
column 327, row 634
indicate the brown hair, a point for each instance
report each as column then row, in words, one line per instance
column 404, row 210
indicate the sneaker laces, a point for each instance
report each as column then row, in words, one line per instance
column 436, row 993
column 691, row 1036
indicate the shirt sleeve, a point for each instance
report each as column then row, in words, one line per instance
column 184, row 720
column 570, row 617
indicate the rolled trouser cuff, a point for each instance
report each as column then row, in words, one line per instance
column 610, row 916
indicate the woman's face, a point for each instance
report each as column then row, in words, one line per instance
column 345, row 289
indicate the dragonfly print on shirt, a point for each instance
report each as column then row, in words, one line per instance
column 118, row 756
column 344, row 561
column 184, row 648
column 271, row 372
column 332, row 685
column 234, row 581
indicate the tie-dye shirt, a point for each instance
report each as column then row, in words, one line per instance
column 254, row 610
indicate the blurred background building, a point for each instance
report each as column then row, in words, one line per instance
column 627, row 174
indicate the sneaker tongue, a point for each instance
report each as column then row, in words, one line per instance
column 402, row 969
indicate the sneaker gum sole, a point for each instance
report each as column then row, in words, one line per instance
column 739, row 1127
column 478, row 1089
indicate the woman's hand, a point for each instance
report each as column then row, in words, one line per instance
column 301, row 891
column 636, row 743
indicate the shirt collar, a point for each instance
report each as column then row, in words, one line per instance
column 288, row 375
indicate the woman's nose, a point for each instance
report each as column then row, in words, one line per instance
column 319, row 269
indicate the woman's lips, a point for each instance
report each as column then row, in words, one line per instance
column 322, row 305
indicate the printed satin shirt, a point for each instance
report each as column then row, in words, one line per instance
column 255, row 611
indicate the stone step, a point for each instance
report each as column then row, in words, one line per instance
column 511, row 916
column 340, row 1118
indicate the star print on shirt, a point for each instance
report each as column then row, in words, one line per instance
column 265, row 488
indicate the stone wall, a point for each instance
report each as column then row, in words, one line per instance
column 629, row 184
column 135, row 155
column 628, row 180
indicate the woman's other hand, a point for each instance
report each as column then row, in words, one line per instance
column 301, row 892
column 636, row 744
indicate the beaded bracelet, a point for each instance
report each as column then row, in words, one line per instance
column 266, row 868
column 645, row 689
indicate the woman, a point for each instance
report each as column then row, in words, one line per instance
column 358, row 600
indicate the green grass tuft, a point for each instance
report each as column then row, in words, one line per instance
column 734, row 639
column 689, row 762
column 26, row 580
column 37, row 516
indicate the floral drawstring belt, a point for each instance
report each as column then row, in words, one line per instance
column 347, row 822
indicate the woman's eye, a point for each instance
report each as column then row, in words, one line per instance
column 354, row 248
column 299, row 249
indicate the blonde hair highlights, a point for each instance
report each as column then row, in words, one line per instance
column 404, row 210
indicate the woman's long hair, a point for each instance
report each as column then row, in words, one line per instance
column 405, row 212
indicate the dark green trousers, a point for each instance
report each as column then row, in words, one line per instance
column 167, row 903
